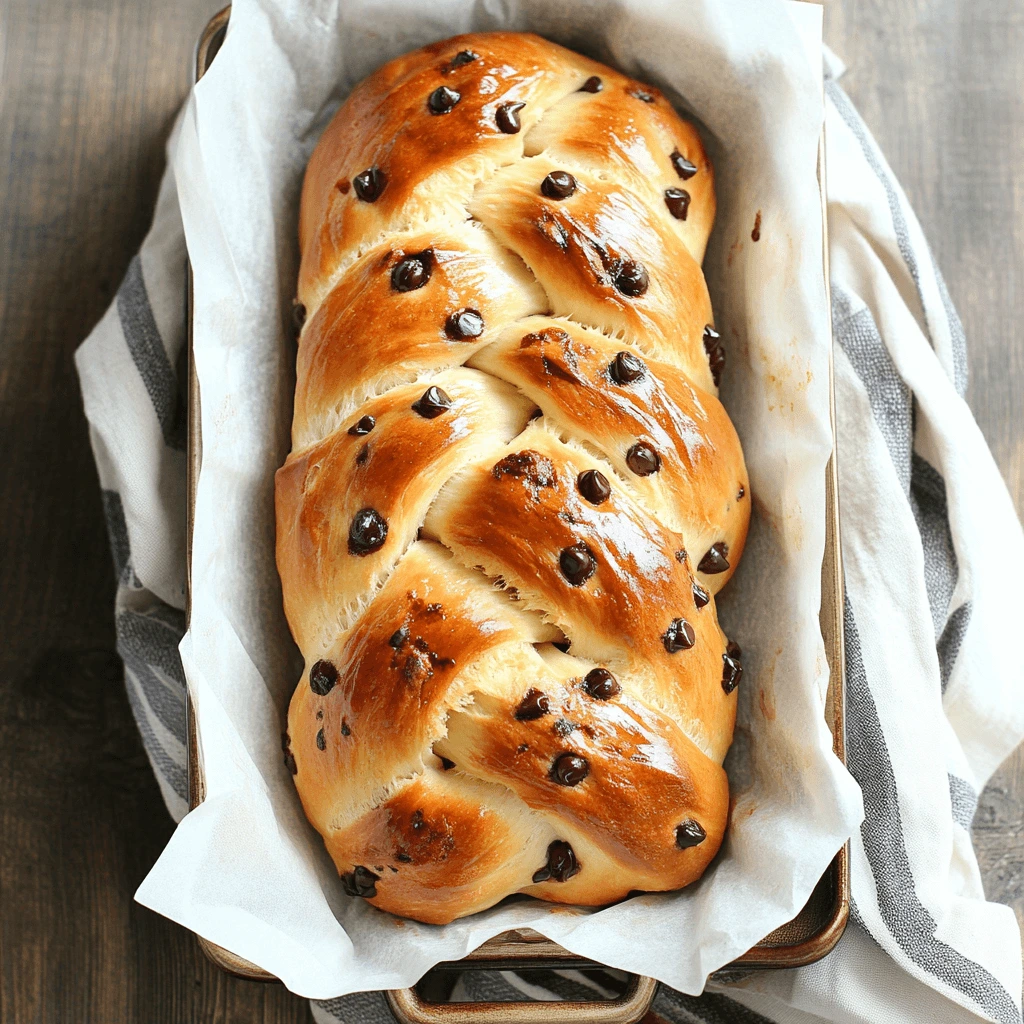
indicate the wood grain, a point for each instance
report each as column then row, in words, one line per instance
column 89, row 91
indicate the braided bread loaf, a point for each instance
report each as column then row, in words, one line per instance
column 512, row 494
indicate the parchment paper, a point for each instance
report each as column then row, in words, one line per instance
column 245, row 869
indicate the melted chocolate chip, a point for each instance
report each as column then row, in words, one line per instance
column 360, row 882
column 298, row 315
column 561, row 866
column 322, row 677
column 643, row 94
column 716, row 354
column 563, row 727
column 690, row 833
column 700, row 596
column 530, row 466
column 678, row 202
column 344, row 186
column 367, row 533
column 601, row 684
column 289, row 762
column 533, row 705
column 364, row 426
column 679, row 636
column 682, row 166
column 569, row 769
column 413, row 272
column 507, row 118
column 446, row 763
column 403, row 857
column 363, row 455
column 594, row 486
column 432, row 403
column 321, row 742
column 319, row 714
column 716, row 560
column 416, row 820
column 464, row 323
column 732, row 670
column 631, row 278
column 370, row 184
column 626, row 368
column 399, row 637
column 463, row 57
column 558, row 185
column 682, row 556
column 577, row 564
column 442, row 100
column 642, row 459
column 345, row 729
column 741, row 492
column 592, row 84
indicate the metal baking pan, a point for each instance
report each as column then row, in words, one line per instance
column 812, row 934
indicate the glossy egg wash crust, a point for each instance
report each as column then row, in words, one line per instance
column 513, row 493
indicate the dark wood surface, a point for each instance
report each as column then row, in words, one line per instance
column 89, row 89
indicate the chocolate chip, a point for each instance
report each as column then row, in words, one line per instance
column 741, row 492
column 626, row 368
column 370, row 183
column 367, row 533
column 507, row 117
column 533, row 705
column 562, row 863
column 345, row 730
column 321, row 742
column 678, row 202
column 322, row 677
column 631, row 278
column 643, row 94
column 522, row 748
column 363, row 455
column 700, row 596
column 403, row 857
column 679, row 636
column 463, row 57
column 732, row 670
column 569, row 769
column 577, row 564
column 432, row 403
column 533, row 468
column 558, row 185
column 682, row 166
column 364, row 426
column 442, row 100
column 643, row 459
column 690, row 833
column 298, row 315
column 716, row 560
column 682, row 556
column 399, row 637
column 592, row 84
column 289, row 762
column 413, row 272
column 446, row 763
column 601, row 684
column 319, row 714
column 416, row 820
column 360, row 882
column 464, row 323
column 344, row 186
column 715, row 352
column 594, row 486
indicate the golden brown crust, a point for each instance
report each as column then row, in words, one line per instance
column 515, row 678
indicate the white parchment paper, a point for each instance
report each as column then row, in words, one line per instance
column 245, row 869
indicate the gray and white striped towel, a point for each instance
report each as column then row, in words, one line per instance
column 933, row 706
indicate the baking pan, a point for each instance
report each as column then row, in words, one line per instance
column 807, row 938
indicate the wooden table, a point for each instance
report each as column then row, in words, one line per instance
column 89, row 91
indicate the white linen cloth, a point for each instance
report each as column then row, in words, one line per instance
column 934, row 704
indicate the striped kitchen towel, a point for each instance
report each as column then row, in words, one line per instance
column 933, row 704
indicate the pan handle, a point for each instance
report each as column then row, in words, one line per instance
column 629, row 1008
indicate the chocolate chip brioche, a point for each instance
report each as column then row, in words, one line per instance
column 513, row 493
